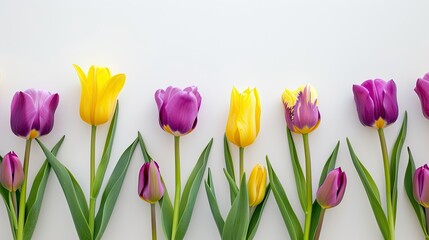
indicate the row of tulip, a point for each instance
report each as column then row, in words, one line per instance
column 32, row 116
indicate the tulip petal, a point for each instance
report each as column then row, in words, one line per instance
column 422, row 90
column 182, row 110
column 106, row 97
column 364, row 105
column 390, row 103
column 23, row 112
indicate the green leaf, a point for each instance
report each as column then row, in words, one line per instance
column 35, row 198
column 146, row 155
column 101, row 169
column 229, row 168
column 257, row 214
column 232, row 186
column 112, row 190
column 77, row 211
column 394, row 164
column 166, row 213
column 190, row 192
column 372, row 193
column 289, row 216
column 214, row 207
column 297, row 171
column 237, row 221
column 315, row 217
column 330, row 164
column 408, row 184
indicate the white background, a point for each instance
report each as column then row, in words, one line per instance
column 271, row 45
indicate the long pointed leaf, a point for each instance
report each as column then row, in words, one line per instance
column 408, row 184
column 257, row 214
column 330, row 164
column 394, row 164
column 297, row 171
column 145, row 153
column 289, row 217
column 237, row 221
column 190, row 192
column 232, row 186
column 214, row 207
column 229, row 168
column 112, row 190
column 372, row 193
column 105, row 158
column 79, row 219
column 166, row 213
column 35, row 198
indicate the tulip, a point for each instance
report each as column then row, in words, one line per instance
column 376, row 103
column 422, row 90
column 257, row 185
column 331, row 192
column 32, row 113
column 12, row 174
column 420, row 185
column 150, row 188
column 178, row 109
column 301, row 111
column 99, row 94
column 243, row 123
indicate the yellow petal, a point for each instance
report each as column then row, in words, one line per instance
column 231, row 125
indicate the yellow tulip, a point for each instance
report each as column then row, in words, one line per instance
column 257, row 185
column 244, row 117
column 99, row 93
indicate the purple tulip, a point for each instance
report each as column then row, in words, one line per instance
column 178, row 109
column 422, row 90
column 151, row 188
column 331, row 192
column 376, row 102
column 32, row 113
column 420, row 185
column 301, row 112
column 12, row 174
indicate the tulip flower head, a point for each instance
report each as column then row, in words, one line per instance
column 301, row 112
column 150, row 186
column 331, row 192
column 257, row 185
column 32, row 113
column 376, row 102
column 178, row 109
column 12, row 174
column 244, row 117
column 422, row 90
column 99, row 94
column 421, row 185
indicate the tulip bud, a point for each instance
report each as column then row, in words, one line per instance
column 12, row 174
column 331, row 192
column 243, row 123
column 422, row 90
column 178, row 109
column 257, row 185
column 301, row 112
column 150, row 188
column 376, row 103
column 32, row 113
column 421, row 185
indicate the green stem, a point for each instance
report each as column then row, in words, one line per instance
column 387, row 180
column 91, row 181
column 319, row 225
column 309, row 188
column 21, row 218
column 241, row 162
column 153, row 221
column 178, row 187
